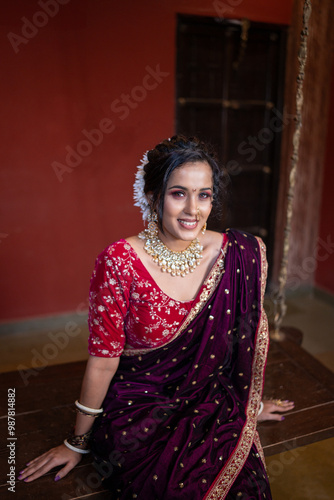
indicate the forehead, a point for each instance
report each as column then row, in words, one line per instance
column 192, row 174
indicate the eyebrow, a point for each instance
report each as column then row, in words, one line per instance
column 186, row 189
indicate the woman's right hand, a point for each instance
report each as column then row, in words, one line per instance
column 56, row 456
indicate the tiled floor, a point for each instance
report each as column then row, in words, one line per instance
column 302, row 474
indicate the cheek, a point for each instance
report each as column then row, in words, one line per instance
column 168, row 213
column 207, row 207
column 172, row 206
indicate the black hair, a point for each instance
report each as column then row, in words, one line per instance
column 171, row 154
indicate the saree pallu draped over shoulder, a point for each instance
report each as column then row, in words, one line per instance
column 179, row 421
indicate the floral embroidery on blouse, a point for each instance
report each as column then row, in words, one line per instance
column 127, row 306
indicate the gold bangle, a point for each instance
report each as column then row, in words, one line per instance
column 79, row 440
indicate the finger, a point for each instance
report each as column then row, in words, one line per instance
column 274, row 416
column 285, row 406
column 280, row 409
column 41, row 466
column 64, row 471
column 40, row 471
column 279, row 402
column 34, row 472
column 32, row 468
column 38, row 458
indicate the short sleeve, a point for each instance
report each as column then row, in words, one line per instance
column 108, row 305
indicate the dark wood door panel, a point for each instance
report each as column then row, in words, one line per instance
column 229, row 93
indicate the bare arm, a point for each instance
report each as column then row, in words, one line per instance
column 98, row 375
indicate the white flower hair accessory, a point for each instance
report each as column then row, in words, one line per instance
column 138, row 189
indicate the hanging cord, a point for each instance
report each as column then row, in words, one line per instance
column 279, row 299
column 245, row 25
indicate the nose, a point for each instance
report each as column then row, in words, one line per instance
column 191, row 206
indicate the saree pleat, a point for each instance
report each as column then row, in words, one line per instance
column 179, row 421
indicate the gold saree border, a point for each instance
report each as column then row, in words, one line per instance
column 259, row 448
column 210, row 285
column 225, row 479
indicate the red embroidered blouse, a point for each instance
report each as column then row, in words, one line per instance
column 127, row 306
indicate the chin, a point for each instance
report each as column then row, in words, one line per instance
column 176, row 233
column 187, row 235
column 188, row 232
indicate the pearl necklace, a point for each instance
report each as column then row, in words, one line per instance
column 174, row 263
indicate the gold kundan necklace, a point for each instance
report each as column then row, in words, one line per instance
column 174, row 263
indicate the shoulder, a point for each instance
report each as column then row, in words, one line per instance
column 114, row 254
column 134, row 242
column 244, row 239
column 115, row 249
column 247, row 247
column 114, row 265
column 214, row 240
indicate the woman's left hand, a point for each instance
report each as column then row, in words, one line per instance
column 273, row 408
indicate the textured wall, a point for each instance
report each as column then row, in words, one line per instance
column 71, row 66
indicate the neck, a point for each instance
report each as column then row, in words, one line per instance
column 174, row 244
column 177, row 262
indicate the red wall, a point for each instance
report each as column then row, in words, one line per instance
column 59, row 79
column 324, row 276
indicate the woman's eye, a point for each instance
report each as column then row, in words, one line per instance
column 205, row 196
column 178, row 194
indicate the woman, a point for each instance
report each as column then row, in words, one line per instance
column 176, row 366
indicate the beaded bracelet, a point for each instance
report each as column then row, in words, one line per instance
column 86, row 408
column 77, row 440
column 73, row 448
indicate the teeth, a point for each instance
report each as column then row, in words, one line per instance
column 188, row 223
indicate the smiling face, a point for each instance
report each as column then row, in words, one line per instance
column 188, row 197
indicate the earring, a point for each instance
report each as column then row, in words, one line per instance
column 152, row 223
column 203, row 229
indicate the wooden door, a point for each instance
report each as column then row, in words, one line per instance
column 229, row 92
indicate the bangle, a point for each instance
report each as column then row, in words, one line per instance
column 77, row 440
column 73, row 448
column 86, row 408
column 260, row 409
column 86, row 414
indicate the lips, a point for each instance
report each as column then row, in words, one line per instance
column 188, row 224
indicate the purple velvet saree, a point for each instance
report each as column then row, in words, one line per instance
column 179, row 421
